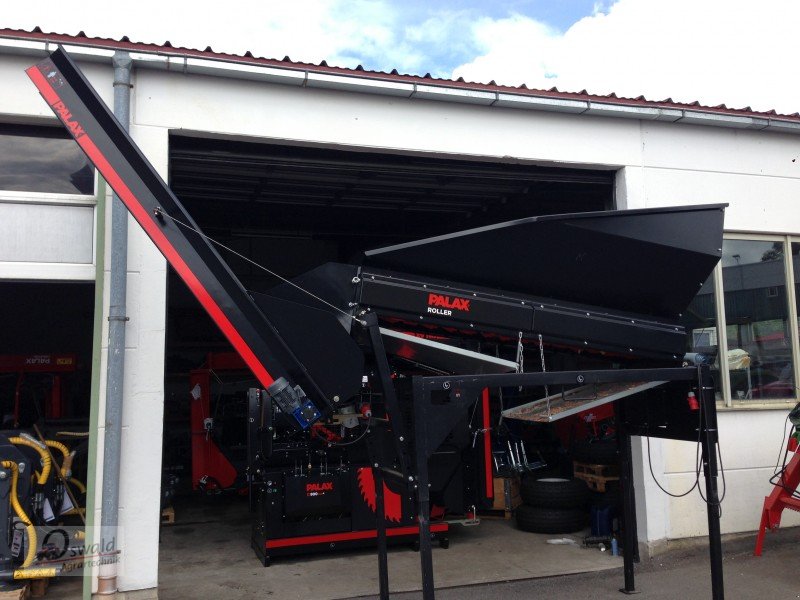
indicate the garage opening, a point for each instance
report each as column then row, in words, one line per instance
column 45, row 352
column 46, row 331
column 291, row 209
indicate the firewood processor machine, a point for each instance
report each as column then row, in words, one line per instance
column 372, row 421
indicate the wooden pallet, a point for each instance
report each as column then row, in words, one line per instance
column 595, row 470
column 496, row 515
column 168, row 516
column 596, row 483
column 596, row 476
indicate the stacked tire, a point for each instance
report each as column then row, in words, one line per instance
column 552, row 505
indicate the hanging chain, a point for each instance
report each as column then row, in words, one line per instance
column 520, row 357
column 544, row 370
column 160, row 213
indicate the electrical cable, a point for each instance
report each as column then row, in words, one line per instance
column 351, row 442
column 652, row 473
column 697, row 467
column 783, row 441
column 161, row 212
column 779, row 476
column 718, row 503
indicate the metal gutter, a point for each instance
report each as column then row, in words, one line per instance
column 217, row 67
column 735, row 122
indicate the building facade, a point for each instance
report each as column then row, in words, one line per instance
column 656, row 154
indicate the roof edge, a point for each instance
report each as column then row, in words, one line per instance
column 208, row 62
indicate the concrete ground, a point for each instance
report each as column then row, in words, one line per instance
column 206, row 555
column 214, row 538
column 678, row 574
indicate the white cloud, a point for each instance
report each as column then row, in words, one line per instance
column 306, row 30
column 715, row 51
column 515, row 50
column 731, row 52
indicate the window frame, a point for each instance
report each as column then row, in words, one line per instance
column 722, row 336
column 54, row 271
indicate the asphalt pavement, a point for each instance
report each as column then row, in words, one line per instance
column 681, row 574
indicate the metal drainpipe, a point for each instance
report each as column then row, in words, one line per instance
column 107, row 578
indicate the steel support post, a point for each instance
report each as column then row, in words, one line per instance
column 380, row 517
column 709, row 441
column 630, row 540
column 421, row 422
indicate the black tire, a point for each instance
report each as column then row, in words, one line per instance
column 550, row 520
column 554, row 492
column 602, row 452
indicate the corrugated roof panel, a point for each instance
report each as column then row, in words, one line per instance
column 474, row 92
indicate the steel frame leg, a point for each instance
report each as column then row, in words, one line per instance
column 630, row 539
column 709, row 440
column 380, row 516
column 424, row 515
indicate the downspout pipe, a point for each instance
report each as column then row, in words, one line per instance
column 109, row 516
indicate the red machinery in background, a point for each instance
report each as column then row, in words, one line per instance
column 786, row 481
column 211, row 469
column 53, row 364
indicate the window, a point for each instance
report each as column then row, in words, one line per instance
column 759, row 349
column 48, row 205
column 42, row 160
column 743, row 321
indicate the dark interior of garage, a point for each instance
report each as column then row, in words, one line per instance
column 45, row 351
column 292, row 208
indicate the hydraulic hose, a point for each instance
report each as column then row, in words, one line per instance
column 38, row 573
column 77, row 483
column 30, row 555
column 66, row 464
column 46, row 463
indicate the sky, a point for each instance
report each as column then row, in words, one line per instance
column 737, row 52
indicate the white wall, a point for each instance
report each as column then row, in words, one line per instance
column 140, row 478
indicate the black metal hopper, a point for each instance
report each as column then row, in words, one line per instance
column 646, row 261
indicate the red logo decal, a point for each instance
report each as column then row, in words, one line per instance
column 66, row 116
column 325, row 486
column 454, row 303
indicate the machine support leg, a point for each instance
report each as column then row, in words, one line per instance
column 713, row 509
column 380, row 516
column 709, row 450
column 425, row 551
column 630, row 539
column 423, row 495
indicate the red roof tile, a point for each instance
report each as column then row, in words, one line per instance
column 166, row 48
